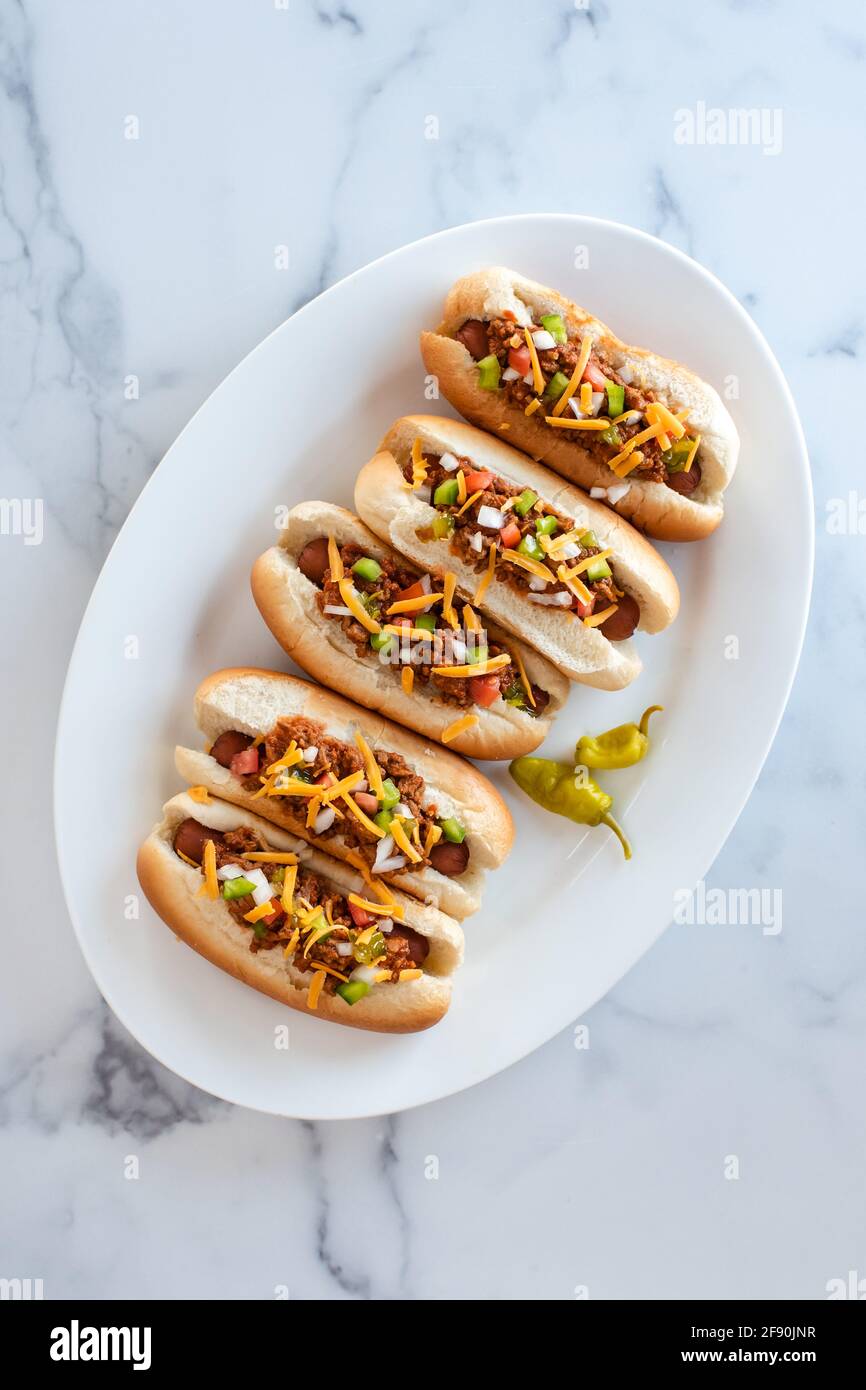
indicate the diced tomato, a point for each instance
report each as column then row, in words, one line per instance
column 510, row 535
column 509, row 314
column 275, row 914
column 325, row 779
column 367, row 802
column 584, row 609
column 520, row 359
column 415, row 590
column 242, row 764
column 359, row 916
column 484, row 690
column 478, row 482
column 594, row 375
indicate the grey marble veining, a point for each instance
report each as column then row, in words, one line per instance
column 599, row 1167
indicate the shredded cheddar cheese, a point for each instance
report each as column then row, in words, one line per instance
column 461, row 485
column 419, row 464
column 257, row 913
column 694, row 449
column 407, row 678
column 314, row 806
column 271, row 857
column 410, row 974
column 315, row 989
column 460, row 726
column 526, row 562
column 414, row 605
column 288, row 892
column 673, row 425
column 469, row 501
column 328, row 970
column 199, row 794
column 210, row 888
column 365, row 820
column 186, row 859
column 486, row 577
column 293, row 787
column 579, row 369
column 349, row 595
column 448, row 600
column 401, row 840
column 570, row 580
column 374, row 775
column 538, row 381
column 480, row 668
column 433, row 836
column 532, row 407
column 346, row 784
column 392, row 909
column 524, row 679
column 470, row 619
column 591, row 424
column 335, row 564
column 292, row 943
column 590, row 560
column 596, row 619
column 586, row 396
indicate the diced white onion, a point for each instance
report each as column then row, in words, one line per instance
column 401, row 809
column 426, row 585
column 476, row 540
column 384, row 848
column 230, row 871
column 529, row 379
column 569, row 551
column 324, row 820
column 449, row 463
column 597, row 493
column 390, row 866
column 574, row 406
column 543, row 340
column 626, row 374
column 617, row 493
column 311, row 754
column 367, row 973
column 344, row 948
column 386, row 925
column 458, row 650
column 561, row 599
column 262, row 892
column 510, row 374
column 537, row 585
column 490, row 518
column 632, row 417
column 424, row 493
column 338, row 608
column 597, row 398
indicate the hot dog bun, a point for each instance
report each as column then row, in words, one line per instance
column 252, row 701
column 287, row 602
column 583, row 654
column 206, row 924
column 654, row 507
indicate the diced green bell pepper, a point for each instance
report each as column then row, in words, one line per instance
column 443, row 526
column 391, row 796
column 446, row 493
column 546, row 525
column 489, row 373
column 367, row 568
column 555, row 386
column 526, row 501
column 237, row 888
column 353, row 990
column 453, row 830
column 555, row 327
column 615, row 398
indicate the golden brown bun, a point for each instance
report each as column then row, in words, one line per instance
column 287, row 602
column 583, row 654
column 654, row 507
column 206, row 924
column 252, row 701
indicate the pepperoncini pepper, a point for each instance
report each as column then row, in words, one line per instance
column 623, row 746
column 566, row 791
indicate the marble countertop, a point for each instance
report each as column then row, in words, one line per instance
column 710, row 1141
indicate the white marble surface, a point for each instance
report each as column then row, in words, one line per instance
column 259, row 126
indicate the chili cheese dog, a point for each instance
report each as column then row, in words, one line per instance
column 561, row 571
column 356, row 786
column 651, row 438
column 296, row 924
column 358, row 617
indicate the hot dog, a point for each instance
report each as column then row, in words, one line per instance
column 399, row 809
column 296, row 924
column 376, row 629
column 561, row 571
column 643, row 432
